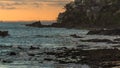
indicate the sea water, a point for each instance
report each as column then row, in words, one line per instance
column 21, row 35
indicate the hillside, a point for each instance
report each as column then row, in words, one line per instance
column 90, row 13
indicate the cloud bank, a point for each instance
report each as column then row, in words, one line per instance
column 21, row 4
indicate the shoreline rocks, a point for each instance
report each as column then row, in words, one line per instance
column 97, row 58
column 105, row 58
column 104, row 32
column 36, row 24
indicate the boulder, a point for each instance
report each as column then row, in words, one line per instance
column 4, row 33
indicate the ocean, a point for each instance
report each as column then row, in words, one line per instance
column 45, row 38
column 23, row 35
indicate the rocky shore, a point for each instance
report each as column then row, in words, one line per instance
column 104, row 32
column 105, row 58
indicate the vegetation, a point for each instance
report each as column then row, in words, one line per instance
column 91, row 13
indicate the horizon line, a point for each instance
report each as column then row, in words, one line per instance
column 23, row 20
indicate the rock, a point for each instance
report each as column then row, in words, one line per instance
column 110, row 64
column 116, row 46
column 91, row 57
column 7, row 61
column 104, row 32
column 48, row 59
column 35, row 24
column 97, row 40
column 75, row 36
column 118, row 39
column 4, row 33
column 83, row 46
column 31, row 54
column 33, row 48
column 12, row 53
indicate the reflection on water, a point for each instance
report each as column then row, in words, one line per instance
column 22, row 35
column 48, row 37
column 46, row 66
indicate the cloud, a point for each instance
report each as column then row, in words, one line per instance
column 18, row 4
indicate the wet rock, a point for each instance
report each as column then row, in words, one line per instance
column 20, row 48
column 104, row 32
column 118, row 39
column 110, row 64
column 48, row 59
column 12, row 53
column 114, row 42
column 50, row 53
column 75, row 36
column 97, row 40
column 4, row 33
column 7, row 61
column 116, row 46
column 92, row 57
column 83, row 46
column 31, row 54
column 33, row 48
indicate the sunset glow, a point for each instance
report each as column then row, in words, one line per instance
column 17, row 10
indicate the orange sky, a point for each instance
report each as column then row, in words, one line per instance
column 25, row 10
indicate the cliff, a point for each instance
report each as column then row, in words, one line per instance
column 90, row 13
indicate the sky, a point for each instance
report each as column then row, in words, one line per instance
column 28, row 10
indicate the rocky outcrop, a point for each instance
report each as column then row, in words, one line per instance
column 105, row 32
column 91, row 13
column 35, row 24
column 4, row 33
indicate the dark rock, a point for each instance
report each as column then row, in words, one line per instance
column 20, row 48
column 97, row 40
column 12, row 53
column 83, row 46
column 35, row 24
column 4, row 33
column 118, row 39
column 114, row 42
column 90, row 57
column 104, row 32
column 116, row 46
column 33, row 48
column 31, row 54
column 48, row 59
column 7, row 61
column 75, row 36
